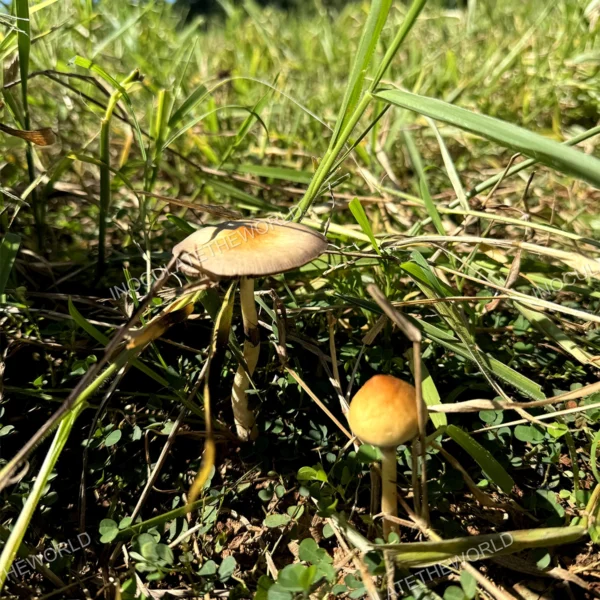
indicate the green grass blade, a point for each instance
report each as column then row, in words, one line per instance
column 450, row 167
column 431, row 208
column 245, row 199
column 366, row 47
column 410, row 19
column 96, row 334
column 421, row 554
column 13, row 543
column 191, row 123
column 501, row 370
column 24, row 46
column 489, row 465
column 492, row 181
column 546, row 151
column 430, row 394
column 197, row 96
column 8, row 253
column 593, row 459
column 357, row 210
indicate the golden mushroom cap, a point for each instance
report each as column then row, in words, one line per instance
column 248, row 248
column 384, row 412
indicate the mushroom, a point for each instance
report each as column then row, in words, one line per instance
column 247, row 249
column 383, row 413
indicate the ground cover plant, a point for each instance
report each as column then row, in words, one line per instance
column 449, row 157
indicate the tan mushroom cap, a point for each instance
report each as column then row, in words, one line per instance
column 384, row 412
column 248, row 248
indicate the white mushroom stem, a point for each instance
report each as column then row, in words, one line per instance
column 244, row 417
column 389, row 499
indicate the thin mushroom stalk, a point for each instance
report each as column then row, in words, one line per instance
column 389, row 500
column 243, row 416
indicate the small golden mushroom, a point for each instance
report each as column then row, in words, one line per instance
column 383, row 413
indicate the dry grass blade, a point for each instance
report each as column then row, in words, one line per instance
column 219, row 341
column 320, row 404
column 552, row 415
column 479, row 405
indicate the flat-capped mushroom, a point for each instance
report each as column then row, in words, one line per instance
column 247, row 249
column 383, row 413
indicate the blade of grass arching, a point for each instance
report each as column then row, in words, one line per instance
column 248, row 122
column 366, row 47
column 24, row 45
column 544, row 150
column 422, row 554
column 8, row 253
column 194, row 121
column 281, row 92
column 552, row 331
column 450, row 168
column 489, row 465
column 357, row 210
